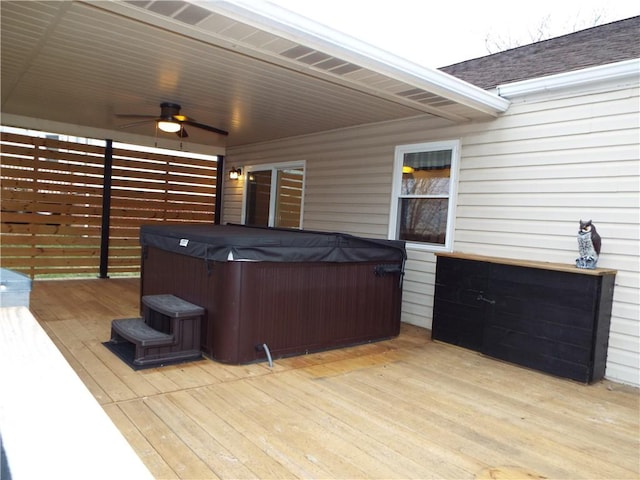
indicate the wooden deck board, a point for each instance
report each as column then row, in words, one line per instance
column 178, row 455
column 373, row 444
column 237, row 451
column 402, row 408
column 484, row 416
column 521, row 415
column 276, row 430
column 138, row 384
column 145, row 450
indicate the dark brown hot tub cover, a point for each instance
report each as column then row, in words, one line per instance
column 240, row 242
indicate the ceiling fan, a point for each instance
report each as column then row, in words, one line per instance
column 171, row 121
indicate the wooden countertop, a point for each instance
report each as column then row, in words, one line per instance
column 561, row 267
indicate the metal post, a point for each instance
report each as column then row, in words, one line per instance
column 219, row 182
column 106, row 209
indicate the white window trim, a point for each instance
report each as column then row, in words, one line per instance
column 400, row 150
column 274, row 167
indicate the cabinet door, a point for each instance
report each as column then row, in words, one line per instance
column 460, row 302
column 542, row 319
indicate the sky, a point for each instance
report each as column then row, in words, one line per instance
column 439, row 33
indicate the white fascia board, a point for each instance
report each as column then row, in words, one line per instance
column 626, row 71
column 279, row 21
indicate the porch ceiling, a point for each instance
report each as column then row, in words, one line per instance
column 250, row 68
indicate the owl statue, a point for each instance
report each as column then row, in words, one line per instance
column 589, row 243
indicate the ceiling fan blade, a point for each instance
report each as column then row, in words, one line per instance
column 134, row 115
column 141, row 122
column 206, row 127
column 170, row 112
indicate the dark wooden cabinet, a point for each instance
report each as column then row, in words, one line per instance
column 549, row 317
column 458, row 305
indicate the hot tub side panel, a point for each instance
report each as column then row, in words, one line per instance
column 296, row 308
column 293, row 308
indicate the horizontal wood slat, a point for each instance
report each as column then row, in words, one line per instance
column 82, row 208
column 169, row 197
column 120, row 165
column 49, row 177
column 59, row 162
column 52, row 203
column 141, row 187
column 135, row 156
column 12, row 184
column 50, row 251
column 34, row 229
column 24, row 241
column 153, row 204
column 84, row 263
column 163, row 175
column 63, row 198
column 136, row 220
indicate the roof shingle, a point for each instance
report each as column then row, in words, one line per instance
column 600, row 45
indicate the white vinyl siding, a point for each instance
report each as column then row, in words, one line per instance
column 557, row 161
column 525, row 181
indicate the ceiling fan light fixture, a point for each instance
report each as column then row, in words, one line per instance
column 169, row 126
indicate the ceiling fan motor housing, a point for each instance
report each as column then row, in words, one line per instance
column 169, row 110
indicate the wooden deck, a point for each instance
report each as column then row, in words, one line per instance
column 403, row 408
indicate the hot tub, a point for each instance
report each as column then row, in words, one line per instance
column 289, row 290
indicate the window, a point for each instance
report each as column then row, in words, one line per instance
column 424, row 192
column 274, row 195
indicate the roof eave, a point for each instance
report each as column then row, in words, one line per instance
column 628, row 70
column 280, row 21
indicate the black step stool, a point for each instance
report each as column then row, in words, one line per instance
column 169, row 331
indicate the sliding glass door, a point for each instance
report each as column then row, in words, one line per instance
column 274, row 196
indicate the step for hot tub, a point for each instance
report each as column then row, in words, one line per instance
column 169, row 330
column 172, row 306
column 136, row 331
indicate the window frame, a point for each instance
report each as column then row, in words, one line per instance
column 396, row 193
column 273, row 167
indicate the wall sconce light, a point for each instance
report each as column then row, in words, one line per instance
column 235, row 173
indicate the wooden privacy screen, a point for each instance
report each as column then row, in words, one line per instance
column 52, row 203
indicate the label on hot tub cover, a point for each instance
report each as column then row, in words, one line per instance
column 184, row 242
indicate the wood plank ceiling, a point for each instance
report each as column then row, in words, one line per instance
column 259, row 77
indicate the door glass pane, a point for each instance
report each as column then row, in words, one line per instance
column 289, row 198
column 423, row 219
column 258, row 198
